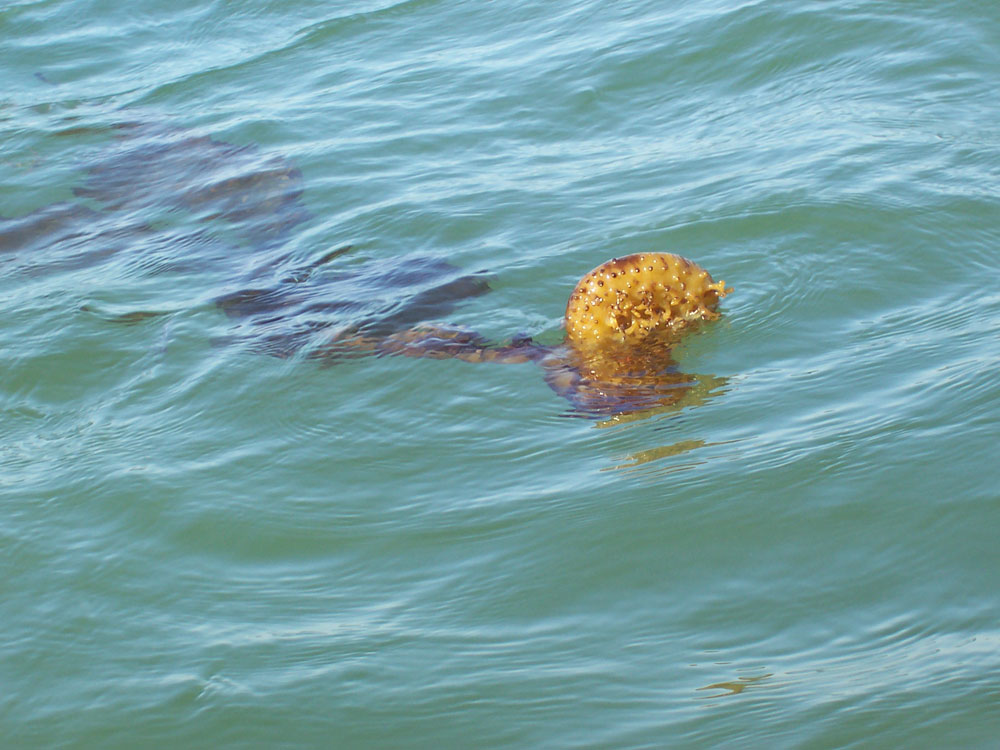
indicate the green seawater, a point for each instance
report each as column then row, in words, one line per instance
column 204, row 545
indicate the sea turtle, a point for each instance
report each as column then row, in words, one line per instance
column 621, row 321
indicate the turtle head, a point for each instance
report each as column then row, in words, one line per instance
column 634, row 307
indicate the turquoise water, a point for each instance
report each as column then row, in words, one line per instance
column 204, row 545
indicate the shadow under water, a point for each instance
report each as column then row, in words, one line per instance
column 239, row 207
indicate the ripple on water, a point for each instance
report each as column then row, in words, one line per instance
column 393, row 551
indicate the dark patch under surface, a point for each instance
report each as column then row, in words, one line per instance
column 156, row 199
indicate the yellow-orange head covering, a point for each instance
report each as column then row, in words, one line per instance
column 638, row 299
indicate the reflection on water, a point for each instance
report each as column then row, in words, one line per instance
column 697, row 390
column 660, row 452
column 733, row 687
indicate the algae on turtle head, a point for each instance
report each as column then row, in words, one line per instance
column 634, row 301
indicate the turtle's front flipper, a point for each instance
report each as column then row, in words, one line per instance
column 335, row 310
column 430, row 304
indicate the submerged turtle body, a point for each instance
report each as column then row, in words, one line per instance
column 243, row 205
column 157, row 199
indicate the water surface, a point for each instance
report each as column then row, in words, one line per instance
column 205, row 545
